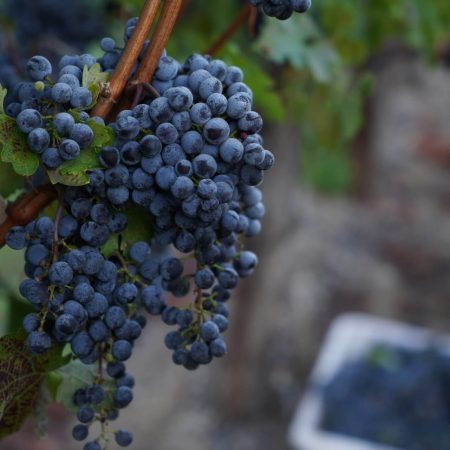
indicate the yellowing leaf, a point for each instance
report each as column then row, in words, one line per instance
column 95, row 90
column 93, row 76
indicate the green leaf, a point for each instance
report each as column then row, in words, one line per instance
column 17, row 310
column 21, row 375
column 13, row 196
column 3, row 92
column 10, row 180
column 87, row 160
column 74, row 173
column 139, row 229
column 73, row 376
column 103, row 135
column 298, row 41
column 78, row 179
column 14, row 148
column 53, row 381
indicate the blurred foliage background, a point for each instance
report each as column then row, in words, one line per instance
column 312, row 71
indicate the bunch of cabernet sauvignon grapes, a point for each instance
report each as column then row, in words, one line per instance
column 282, row 9
column 191, row 158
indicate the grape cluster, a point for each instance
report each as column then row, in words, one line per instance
column 193, row 157
column 84, row 299
column 282, row 9
column 40, row 108
column 189, row 155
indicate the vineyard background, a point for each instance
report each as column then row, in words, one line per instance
column 356, row 221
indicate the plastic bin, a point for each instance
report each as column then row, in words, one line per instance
column 349, row 338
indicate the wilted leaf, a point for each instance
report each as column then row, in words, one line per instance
column 21, row 375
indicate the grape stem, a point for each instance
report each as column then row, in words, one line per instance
column 26, row 208
column 57, row 220
column 149, row 63
column 128, row 59
column 151, row 90
column 245, row 14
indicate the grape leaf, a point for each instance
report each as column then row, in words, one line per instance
column 74, row 173
column 52, row 381
column 13, row 196
column 94, row 75
column 93, row 79
column 139, row 229
column 21, row 375
column 103, row 135
column 10, row 180
column 88, row 160
column 73, row 376
column 77, row 179
column 95, row 90
column 299, row 42
column 3, row 92
column 14, row 148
